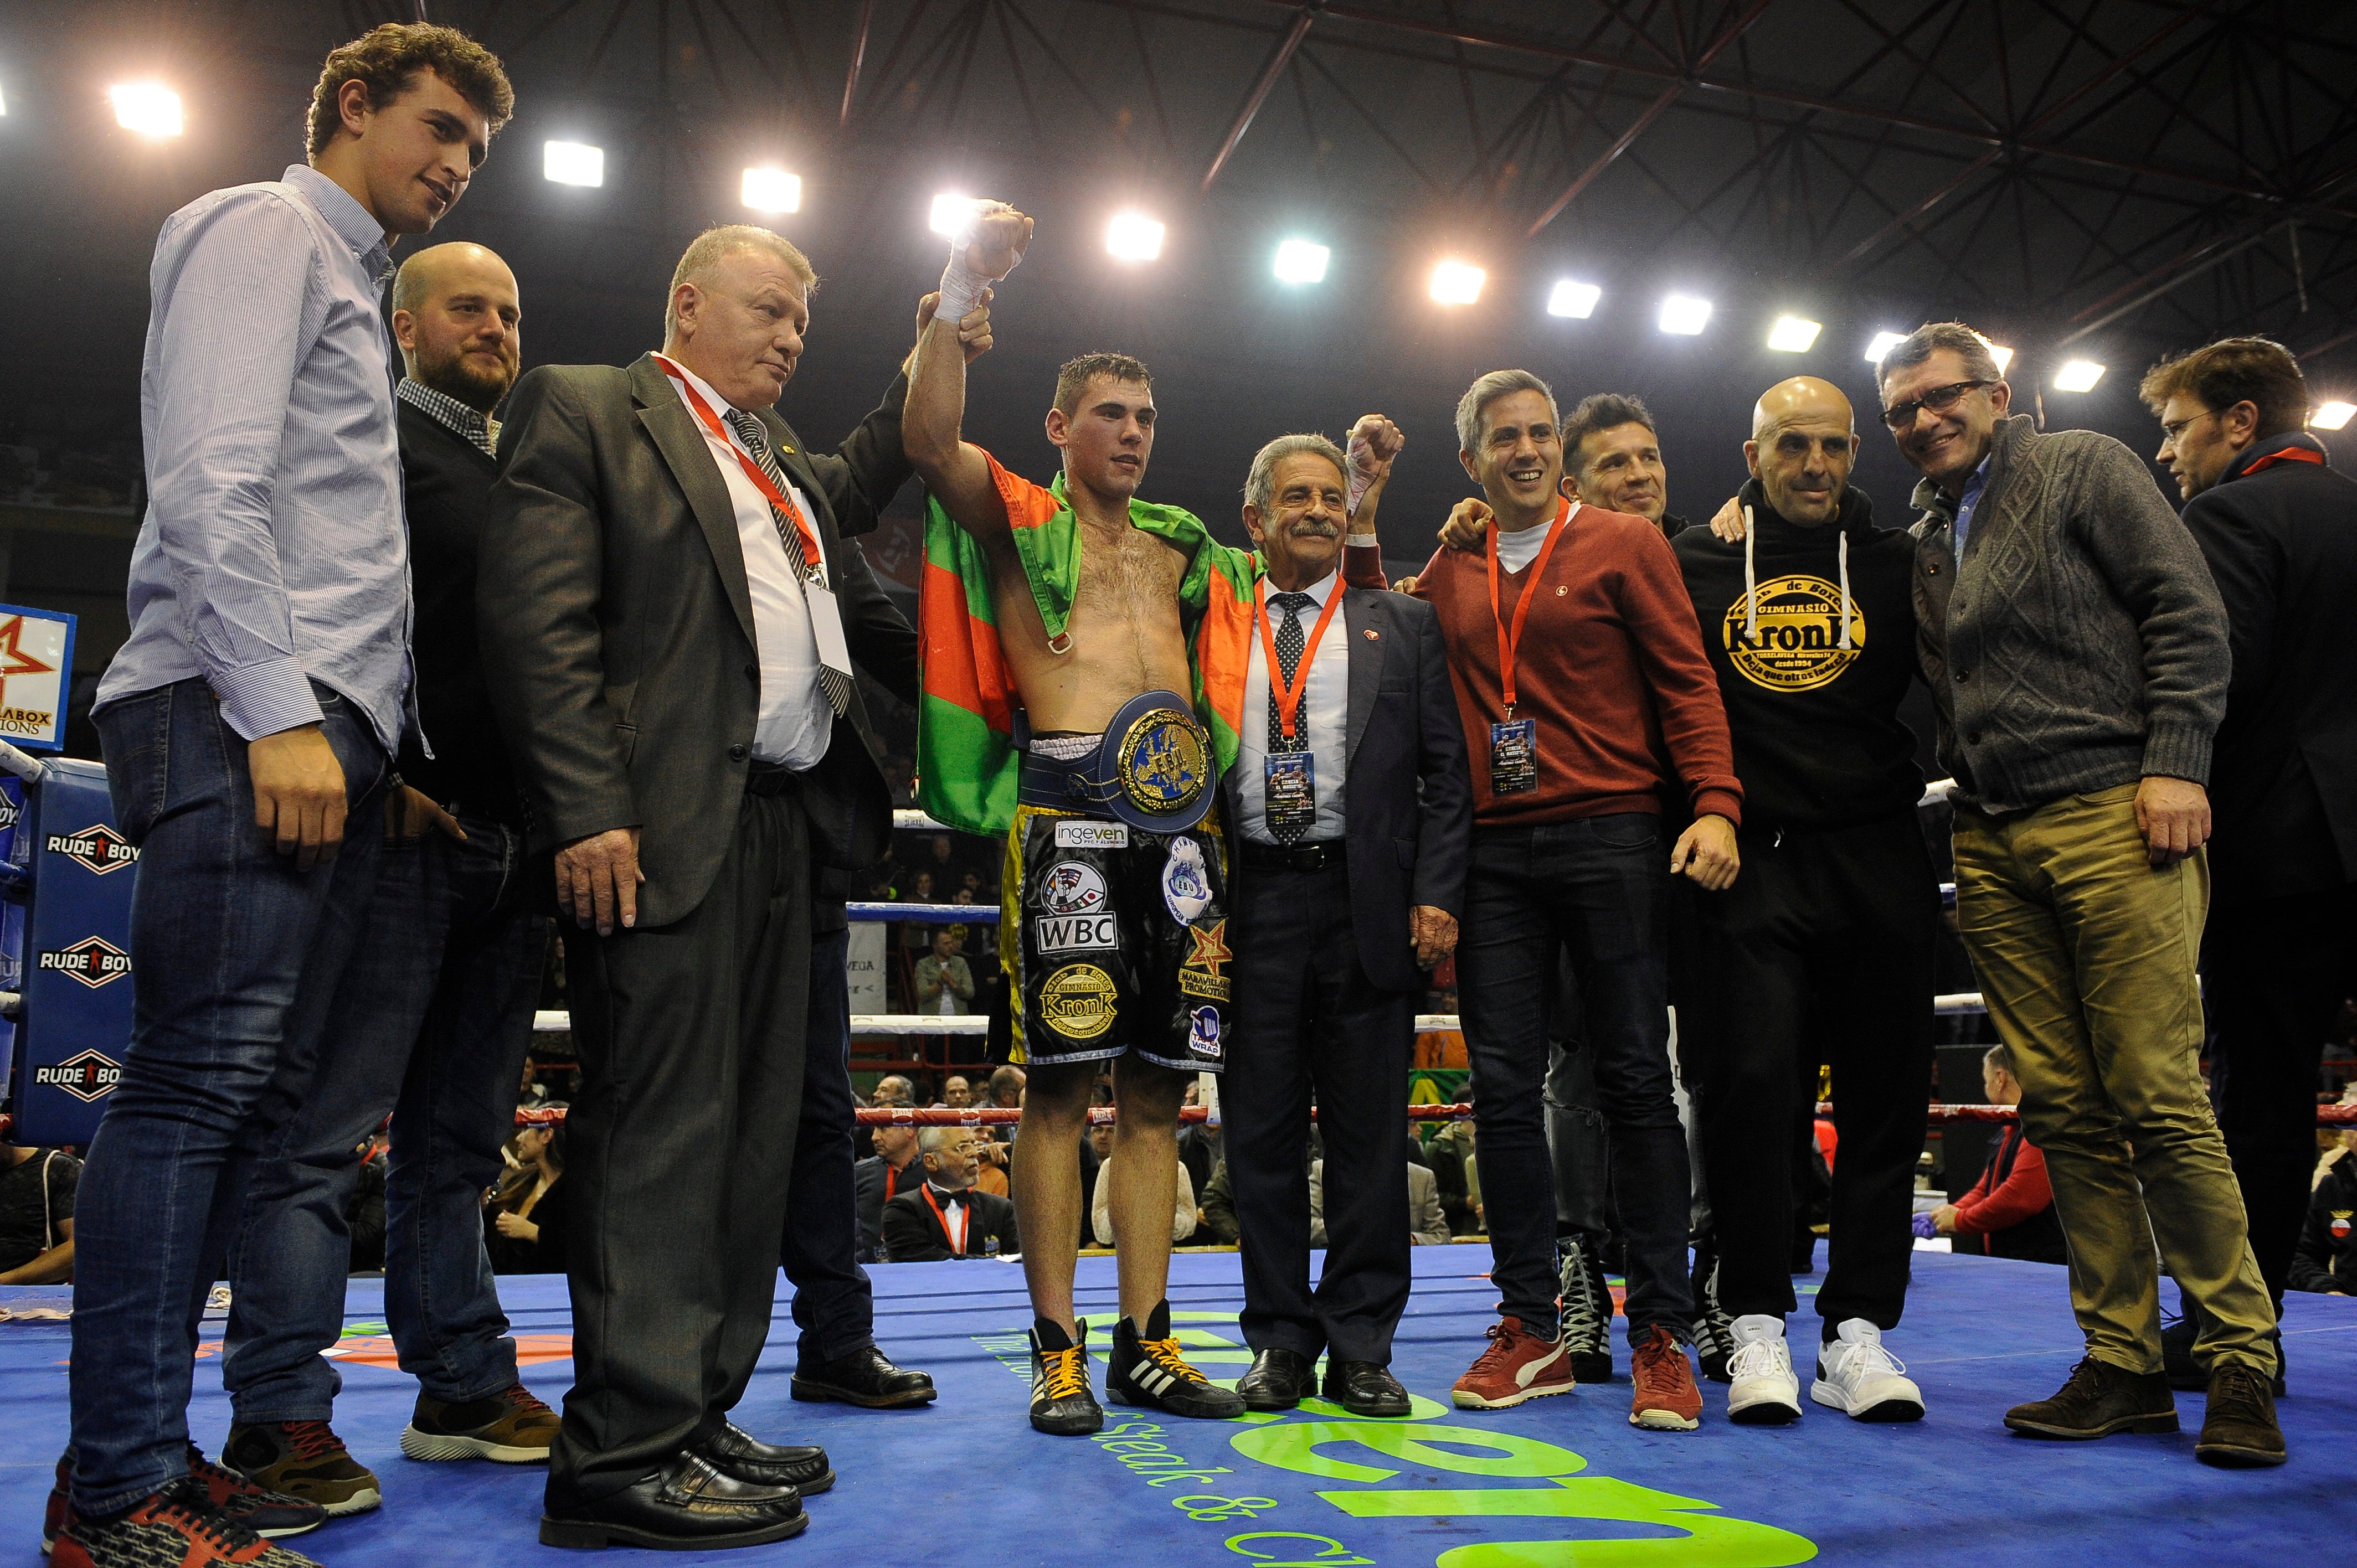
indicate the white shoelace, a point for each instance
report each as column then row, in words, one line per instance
column 1758, row 1358
column 1854, row 1364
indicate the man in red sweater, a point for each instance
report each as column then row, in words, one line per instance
column 2009, row 1213
column 1585, row 694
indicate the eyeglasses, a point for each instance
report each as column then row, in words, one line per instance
column 2173, row 431
column 1939, row 399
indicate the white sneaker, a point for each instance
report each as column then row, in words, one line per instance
column 1761, row 1389
column 1856, row 1376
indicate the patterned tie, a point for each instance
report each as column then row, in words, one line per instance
column 749, row 430
column 1289, row 642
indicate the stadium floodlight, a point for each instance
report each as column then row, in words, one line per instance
column 2078, row 375
column 148, row 108
column 1882, row 344
column 574, row 163
column 953, row 214
column 1793, row 335
column 1301, row 261
column 1574, row 299
column 774, row 190
column 2332, row 415
column 1685, row 314
column 2001, row 354
column 1134, row 237
column 1457, row 283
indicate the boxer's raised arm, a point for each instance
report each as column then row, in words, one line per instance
column 953, row 469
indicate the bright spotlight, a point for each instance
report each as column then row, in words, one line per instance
column 2332, row 415
column 1454, row 282
column 1132, row 237
column 573, row 163
column 1572, row 299
column 1792, row 335
column 1685, row 314
column 1883, row 343
column 953, row 214
column 148, row 108
column 1299, row 260
column 2078, row 375
column 2003, row 355
column 774, row 190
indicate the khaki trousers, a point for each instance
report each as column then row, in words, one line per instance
column 2086, row 958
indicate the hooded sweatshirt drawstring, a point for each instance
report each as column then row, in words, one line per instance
column 1844, row 641
column 1750, row 584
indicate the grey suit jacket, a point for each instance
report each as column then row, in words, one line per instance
column 618, row 627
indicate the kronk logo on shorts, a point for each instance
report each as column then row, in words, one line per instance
column 1797, row 644
column 1078, row 1002
column 99, row 847
column 85, row 1076
column 93, row 960
column 1199, row 975
column 1071, row 888
column 1076, row 933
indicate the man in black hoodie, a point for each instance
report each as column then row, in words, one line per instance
column 1822, row 949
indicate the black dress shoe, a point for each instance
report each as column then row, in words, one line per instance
column 1277, row 1380
column 1364, row 1388
column 733, row 1451
column 866, row 1377
column 688, row 1506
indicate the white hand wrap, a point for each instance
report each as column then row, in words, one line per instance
column 1361, row 478
column 961, row 286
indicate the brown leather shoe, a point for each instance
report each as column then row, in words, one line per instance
column 2238, row 1430
column 509, row 1427
column 2098, row 1401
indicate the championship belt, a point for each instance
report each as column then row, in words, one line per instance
column 1154, row 770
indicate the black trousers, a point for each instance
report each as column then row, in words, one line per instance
column 2275, row 973
column 1308, row 1023
column 835, row 1305
column 679, row 1152
column 1820, row 952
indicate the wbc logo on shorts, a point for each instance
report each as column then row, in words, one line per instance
column 1076, row 933
column 99, row 847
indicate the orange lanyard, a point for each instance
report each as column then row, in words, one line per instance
column 1287, row 694
column 1509, row 643
column 966, row 1213
column 777, row 498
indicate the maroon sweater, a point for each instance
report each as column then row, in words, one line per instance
column 1611, row 666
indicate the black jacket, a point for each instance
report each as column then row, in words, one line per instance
column 618, row 627
column 868, row 1185
column 2282, row 544
column 1818, row 740
column 911, row 1234
column 2325, row 1256
column 1408, row 794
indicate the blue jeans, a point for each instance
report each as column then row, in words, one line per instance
column 227, row 938
column 431, row 1022
column 834, row 1306
column 1594, row 890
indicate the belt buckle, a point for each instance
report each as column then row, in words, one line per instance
column 1157, row 759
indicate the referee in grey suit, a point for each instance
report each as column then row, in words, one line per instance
column 669, row 615
column 1351, row 811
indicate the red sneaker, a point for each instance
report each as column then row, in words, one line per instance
column 175, row 1525
column 1517, row 1366
column 265, row 1513
column 59, row 1513
column 1666, row 1399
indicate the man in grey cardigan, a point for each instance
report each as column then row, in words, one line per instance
column 2076, row 651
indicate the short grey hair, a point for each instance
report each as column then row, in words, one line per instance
column 709, row 249
column 1261, row 482
column 1487, row 390
column 929, row 1142
column 1931, row 339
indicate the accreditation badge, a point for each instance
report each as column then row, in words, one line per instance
column 1514, row 756
column 1289, row 790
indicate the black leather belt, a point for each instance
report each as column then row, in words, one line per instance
column 771, row 778
column 1293, row 857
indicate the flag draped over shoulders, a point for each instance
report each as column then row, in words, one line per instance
column 966, row 763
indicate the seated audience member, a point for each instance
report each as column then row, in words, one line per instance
column 1218, row 1204
column 1451, row 1150
column 2009, row 1213
column 1198, row 1151
column 1096, row 1158
column 989, row 1164
column 1183, row 1215
column 2325, row 1261
column 1426, row 1225
column 527, row 1233
column 944, row 982
column 37, row 1207
column 895, row 1169
column 947, row 1217
column 1007, row 1094
column 895, row 1089
column 956, row 1093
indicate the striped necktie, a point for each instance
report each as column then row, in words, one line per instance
column 749, row 430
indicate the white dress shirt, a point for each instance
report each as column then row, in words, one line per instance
column 1325, row 708
column 794, row 722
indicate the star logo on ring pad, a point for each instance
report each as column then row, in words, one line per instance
column 1211, row 947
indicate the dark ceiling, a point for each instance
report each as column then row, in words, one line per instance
column 2107, row 179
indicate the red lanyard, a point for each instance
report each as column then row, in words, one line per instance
column 776, row 497
column 1509, row 643
column 966, row 1212
column 2288, row 455
column 1286, row 694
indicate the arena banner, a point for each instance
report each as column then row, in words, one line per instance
column 75, row 1027
column 35, row 673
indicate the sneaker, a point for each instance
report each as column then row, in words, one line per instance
column 509, row 1427
column 175, row 1528
column 1713, row 1330
column 267, row 1513
column 1146, row 1369
column 1584, row 1325
column 1061, row 1403
column 1666, row 1398
column 302, row 1459
column 2239, row 1430
column 1761, row 1389
column 1517, row 1366
column 2098, row 1401
column 1856, row 1376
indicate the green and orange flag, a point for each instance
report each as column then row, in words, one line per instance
column 966, row 764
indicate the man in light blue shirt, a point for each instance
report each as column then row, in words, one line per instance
column 257, row 704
